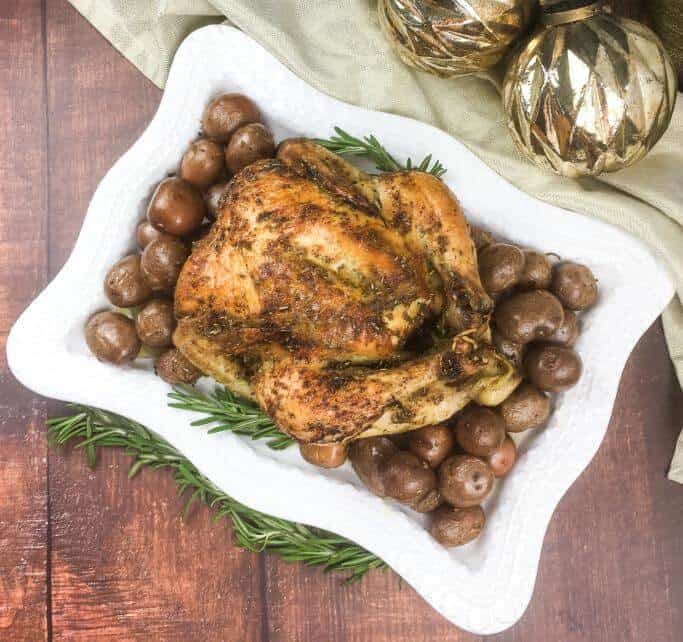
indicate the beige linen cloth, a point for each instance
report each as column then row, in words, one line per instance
column 336, row 46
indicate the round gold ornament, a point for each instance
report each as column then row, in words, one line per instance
column 590, row 92
column 453, row 37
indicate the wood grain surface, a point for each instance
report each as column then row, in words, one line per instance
column 93, row 556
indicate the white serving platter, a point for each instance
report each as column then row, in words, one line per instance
column 483, row 587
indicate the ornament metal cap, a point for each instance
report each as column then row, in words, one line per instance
column 558, row 12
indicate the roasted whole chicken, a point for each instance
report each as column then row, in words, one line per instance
column 346, row 305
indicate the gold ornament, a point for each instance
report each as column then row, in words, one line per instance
column 453, row 37
column 590, row 92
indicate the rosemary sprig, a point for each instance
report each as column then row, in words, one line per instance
column 228, row 412
column 92, row 428
column 369, row 147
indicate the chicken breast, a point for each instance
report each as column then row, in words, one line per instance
column 288, row 261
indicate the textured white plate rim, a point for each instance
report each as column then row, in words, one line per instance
column 484, row 587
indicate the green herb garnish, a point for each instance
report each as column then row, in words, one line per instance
column 369, row 147
column 225, row 411
column 91, row 428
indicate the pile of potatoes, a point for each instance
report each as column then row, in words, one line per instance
column 535, row 318
column 449, row 469
column 180, row 212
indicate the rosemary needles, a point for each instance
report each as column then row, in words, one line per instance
column 369, row 147
column 91, row 428
column 224, row 411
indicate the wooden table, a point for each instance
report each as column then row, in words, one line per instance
column 90, row 555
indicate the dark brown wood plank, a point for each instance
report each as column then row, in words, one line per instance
column 23, row 189
column 23, row 515
column 23, row 262
column 302, row 605
column 123, row 565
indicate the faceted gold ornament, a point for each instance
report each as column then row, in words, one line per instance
column 453, row 37
column 589, row 96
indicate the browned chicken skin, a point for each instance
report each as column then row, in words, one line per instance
column 345, row 304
